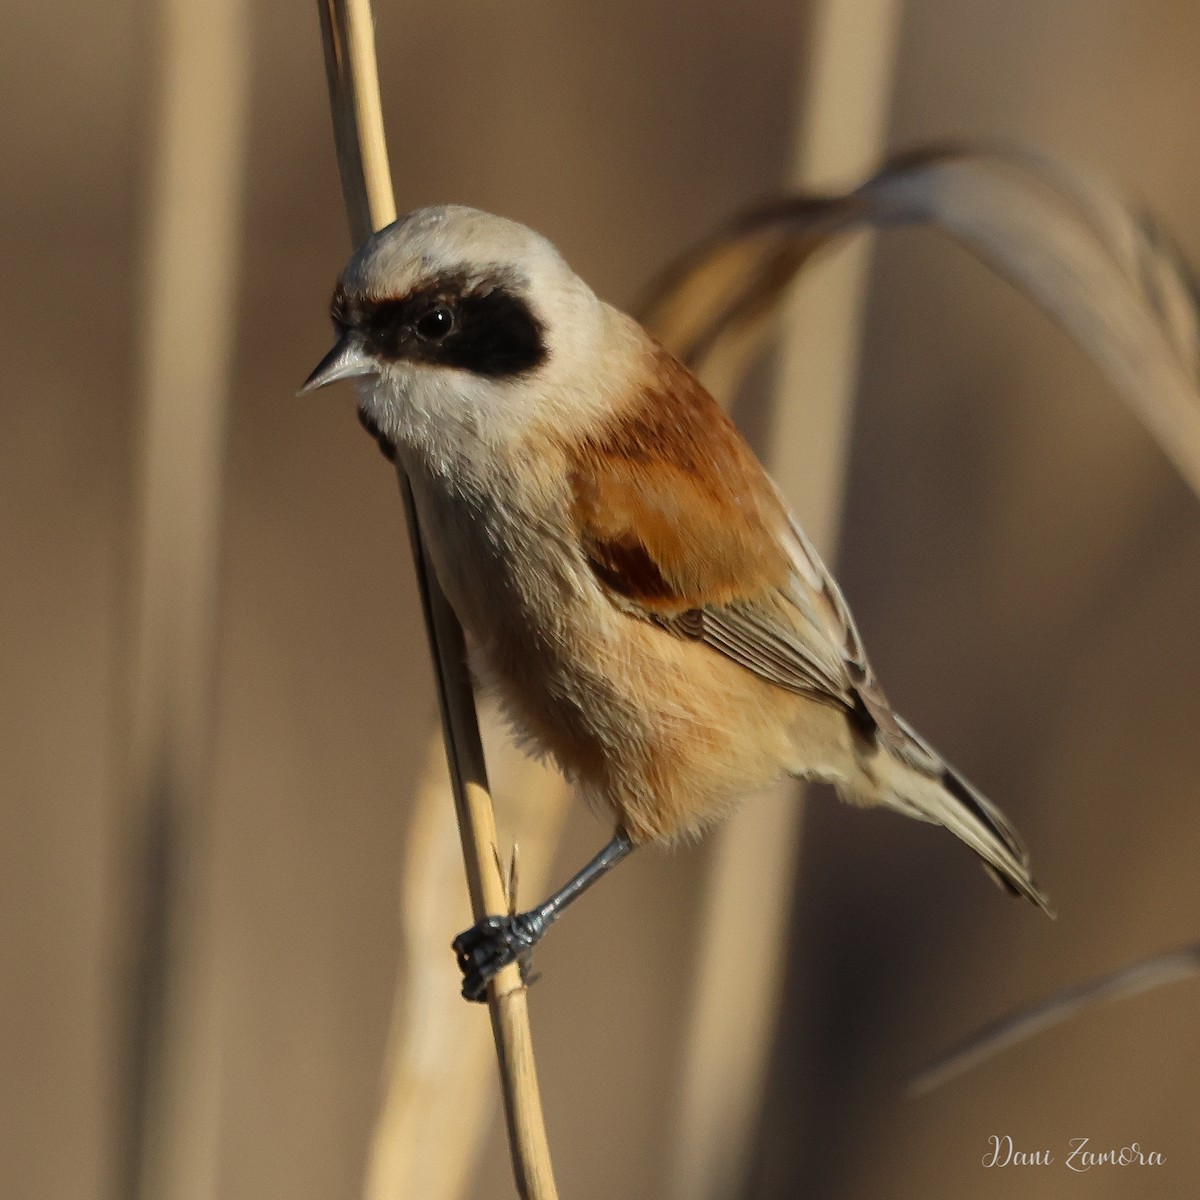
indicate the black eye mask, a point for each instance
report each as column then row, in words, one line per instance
column 480, row 324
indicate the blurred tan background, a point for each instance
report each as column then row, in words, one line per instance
column 1023, row 564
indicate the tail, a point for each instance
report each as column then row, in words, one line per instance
column 917, row 781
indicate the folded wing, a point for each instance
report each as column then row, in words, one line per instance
column 682, row 527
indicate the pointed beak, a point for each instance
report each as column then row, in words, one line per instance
column 346, row 360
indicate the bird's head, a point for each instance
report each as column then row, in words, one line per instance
column 463, row 322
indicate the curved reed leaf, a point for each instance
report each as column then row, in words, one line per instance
column 1103, row 271
column 1138, row 977
column 1107, row 273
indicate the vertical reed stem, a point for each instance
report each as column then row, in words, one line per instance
column 347, row 31
column 839, row 132
column 170, row 1110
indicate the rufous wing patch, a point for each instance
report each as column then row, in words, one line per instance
column 680, row 523
column 672, row 509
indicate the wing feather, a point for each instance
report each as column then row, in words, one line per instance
column 681, row 526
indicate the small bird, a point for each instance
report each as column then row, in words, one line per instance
column 630, row 581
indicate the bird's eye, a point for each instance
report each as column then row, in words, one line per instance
column 435, row 323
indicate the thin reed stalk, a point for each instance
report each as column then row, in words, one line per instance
column 173, row 1065
column 1145, row 975
column 433, row 1120
column 348, row 35
column 840, row 125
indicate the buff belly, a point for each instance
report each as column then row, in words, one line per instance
column 662, row 734
column 671, row 735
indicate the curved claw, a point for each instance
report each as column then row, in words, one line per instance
column 491, row 944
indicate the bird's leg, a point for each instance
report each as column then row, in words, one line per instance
column 495, row 942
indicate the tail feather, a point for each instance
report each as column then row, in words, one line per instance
column 922, row 783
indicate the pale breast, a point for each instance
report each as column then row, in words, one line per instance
column 564, row 564
column 540, row 631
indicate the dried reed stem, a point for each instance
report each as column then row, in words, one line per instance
column 839, row 132
column 197, row 167
column 348, row 36
column 1145, row 975
column 433, row 1120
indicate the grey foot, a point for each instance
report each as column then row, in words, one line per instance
column 491, row 944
